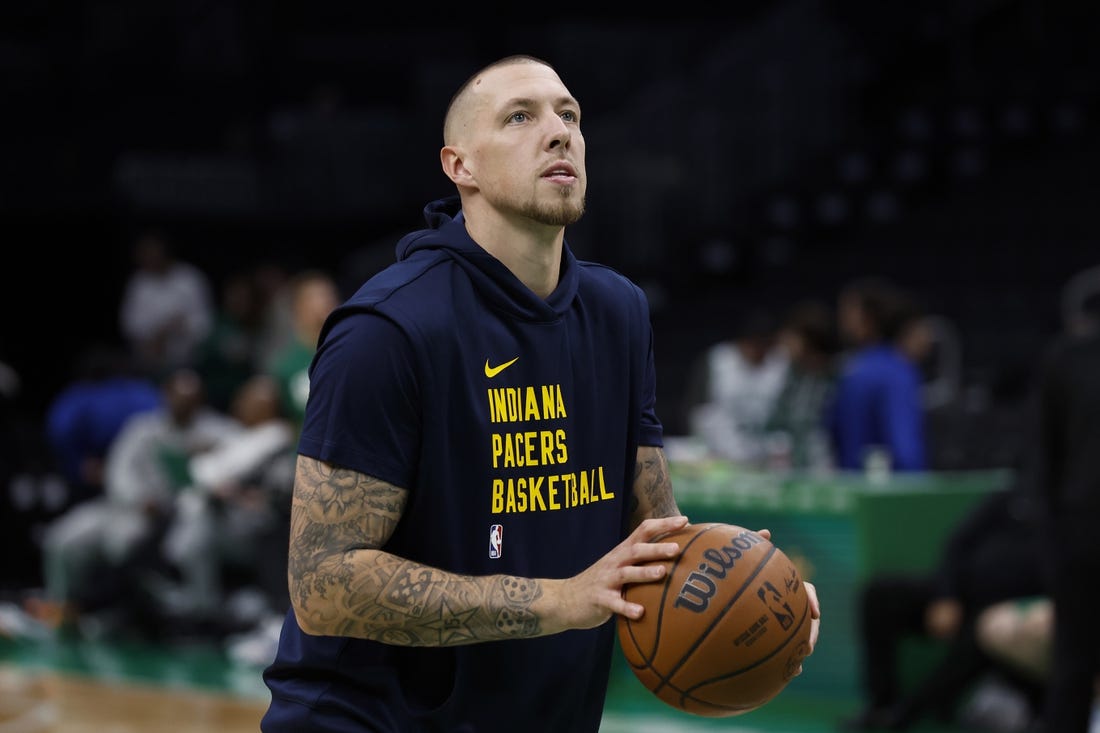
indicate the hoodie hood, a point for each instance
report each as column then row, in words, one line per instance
column 446, row 236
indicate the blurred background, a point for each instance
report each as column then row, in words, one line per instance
column 736, row 158
column 738, row 161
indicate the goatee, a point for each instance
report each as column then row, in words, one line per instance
column 561, row 214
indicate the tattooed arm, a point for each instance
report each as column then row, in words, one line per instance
column 340, row 579
column 652, row 495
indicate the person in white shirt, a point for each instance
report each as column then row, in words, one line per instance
column 230, row 506
column 167, row 307
column 90, row 547
column 736, row 383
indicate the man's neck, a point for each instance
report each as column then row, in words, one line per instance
column 531, row 251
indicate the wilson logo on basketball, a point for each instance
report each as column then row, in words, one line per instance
column 699, row 587
column 725, row 629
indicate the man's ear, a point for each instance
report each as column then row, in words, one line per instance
column 454, row 166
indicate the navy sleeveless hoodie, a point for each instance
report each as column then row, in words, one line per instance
column 514, row 423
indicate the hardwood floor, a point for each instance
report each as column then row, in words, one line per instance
column 33, row 701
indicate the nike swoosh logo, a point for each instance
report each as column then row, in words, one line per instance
column 491, row 372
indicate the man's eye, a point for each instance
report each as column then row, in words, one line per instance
column 569, row 116
column 518, row 116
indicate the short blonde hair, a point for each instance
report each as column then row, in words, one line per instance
column 457, row 103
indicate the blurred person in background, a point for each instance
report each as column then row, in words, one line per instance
column 271, row 279
column 167, row 306
column 797, row 421
column 313, row 296
column 733, row 388
column 1067, row 476
column 230, row 521
column 878, row 402
column 93, row 553
column 18, row 512
column 989, row 556
column 1019, row 633
column 916, row 335
column 85, row 417
column 230, row 354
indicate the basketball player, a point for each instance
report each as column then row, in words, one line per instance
column 480, row 466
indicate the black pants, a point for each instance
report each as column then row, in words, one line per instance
column 891, row 610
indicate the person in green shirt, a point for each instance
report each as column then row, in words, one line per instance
column 796, row 425
column 313, row 295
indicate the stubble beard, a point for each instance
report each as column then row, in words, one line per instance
column 560, row 213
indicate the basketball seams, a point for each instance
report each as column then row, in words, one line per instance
column 703, row 640
column 647, row 659
column 786, row 642
column 688, row 694
column 719, row 616
column 668, row 584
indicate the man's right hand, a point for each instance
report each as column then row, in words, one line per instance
column 590, row 598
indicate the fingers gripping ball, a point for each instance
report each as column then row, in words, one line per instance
column 727, row 627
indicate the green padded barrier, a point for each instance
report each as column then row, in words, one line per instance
column 902, row 525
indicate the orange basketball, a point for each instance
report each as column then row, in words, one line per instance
column 727, row 627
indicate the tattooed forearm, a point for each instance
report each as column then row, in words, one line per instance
column 342, row 584
column 402, row 602
column 652, row 486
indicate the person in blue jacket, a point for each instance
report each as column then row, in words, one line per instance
column 480, row 467
column 878, row 400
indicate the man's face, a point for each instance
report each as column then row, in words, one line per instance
column 524, row 145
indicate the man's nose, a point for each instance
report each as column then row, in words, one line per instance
column 559, row 134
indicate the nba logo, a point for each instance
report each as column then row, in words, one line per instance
column 496, row 539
